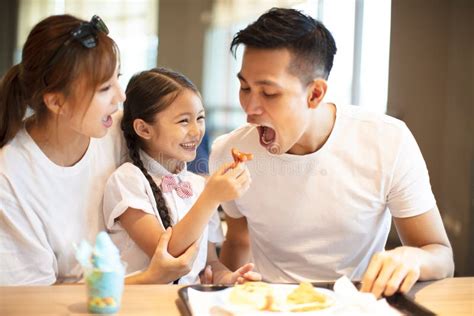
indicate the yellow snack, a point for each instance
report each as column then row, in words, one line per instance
column 109, row 301
column 261, row 296
column 258, row 295
column 306, row 298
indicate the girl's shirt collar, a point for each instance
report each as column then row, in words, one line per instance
column 156, row 169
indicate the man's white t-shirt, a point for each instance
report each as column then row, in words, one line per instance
column 128, row 188
column 45, row 209
column 323, row 215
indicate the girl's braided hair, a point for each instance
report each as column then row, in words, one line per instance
column 148, row 93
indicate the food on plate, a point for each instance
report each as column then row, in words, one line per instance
column 267, row 297
column 258, row 295
column 306, row 298
column 240, row 157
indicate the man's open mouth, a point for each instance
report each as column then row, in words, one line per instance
column 267, row 135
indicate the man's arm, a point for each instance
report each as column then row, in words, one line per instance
column 235, row 249
column 426, row 254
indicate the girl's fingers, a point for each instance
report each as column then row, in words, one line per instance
column 253, row 276
column 225, row 168
column 245, row 268
column 237, row 171
column 206, row 275
column 244, row 178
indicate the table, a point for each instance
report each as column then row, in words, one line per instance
column 452, row 296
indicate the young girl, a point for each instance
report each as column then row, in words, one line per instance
column 163, row 125
column 54, row 164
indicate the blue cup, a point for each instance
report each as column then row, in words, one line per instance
column 104, row 290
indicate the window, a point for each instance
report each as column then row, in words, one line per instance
column 132, row 24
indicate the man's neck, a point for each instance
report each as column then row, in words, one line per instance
column 318, row 131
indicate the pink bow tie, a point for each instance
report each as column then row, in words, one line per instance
column 183, row 189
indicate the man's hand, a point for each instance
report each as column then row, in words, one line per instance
column 392, row 271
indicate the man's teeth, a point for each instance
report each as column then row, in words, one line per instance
column 264, row 134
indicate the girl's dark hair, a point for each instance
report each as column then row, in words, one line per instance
column 310, row 43
column 148, row 93
column 52, row 62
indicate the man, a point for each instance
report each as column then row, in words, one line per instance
column 326, row 179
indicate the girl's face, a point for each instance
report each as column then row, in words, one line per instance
column 178, row 130
column 94, row 119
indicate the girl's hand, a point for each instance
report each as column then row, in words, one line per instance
column 206, row 276
column 228, row 184
column 165, row 268
column 245, row 273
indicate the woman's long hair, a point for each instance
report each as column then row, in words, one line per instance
column 52, row 62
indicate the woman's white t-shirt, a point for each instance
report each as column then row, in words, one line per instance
column 128, row 187
column 45, row 209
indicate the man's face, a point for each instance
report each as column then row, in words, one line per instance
column 274, row 100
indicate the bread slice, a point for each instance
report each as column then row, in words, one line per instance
column 306, row 298
column 258, row 295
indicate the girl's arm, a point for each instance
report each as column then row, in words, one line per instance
column 163, row 267
column 145, row 229
column 223, row 185
column 222, row 275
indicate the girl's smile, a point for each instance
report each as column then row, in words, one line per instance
column 178, row 130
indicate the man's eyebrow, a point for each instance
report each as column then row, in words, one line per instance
column 260, row 82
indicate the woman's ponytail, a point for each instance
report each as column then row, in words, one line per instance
column 12, row 105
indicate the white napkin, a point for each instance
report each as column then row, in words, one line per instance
column 353, row 302
column 349, row 301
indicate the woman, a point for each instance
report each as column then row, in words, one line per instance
column 54, row 164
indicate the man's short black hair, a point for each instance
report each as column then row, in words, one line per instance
column 310, row 43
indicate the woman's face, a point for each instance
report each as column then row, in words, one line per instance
column 94, row 119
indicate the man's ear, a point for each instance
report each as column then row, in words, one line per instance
column 316, row 92
column 143, row 129
column 54, row 101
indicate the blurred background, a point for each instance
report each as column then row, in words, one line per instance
column 412, row 59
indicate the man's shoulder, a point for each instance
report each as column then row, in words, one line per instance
column 379, row 125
